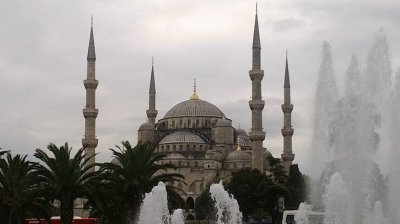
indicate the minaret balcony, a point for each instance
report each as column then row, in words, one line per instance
column 287, row 131
column 287, row 156
column 287, row 108
column 256, row 104
column 89, row 142
column 256, row 74
column 257, row 135
column 151, row 113
column 90, row 84
column 90, row 112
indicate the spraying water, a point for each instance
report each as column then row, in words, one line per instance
column 154, row 209
column 301, row 216
column 337, row 202
column 355, row 136
column 227, row 206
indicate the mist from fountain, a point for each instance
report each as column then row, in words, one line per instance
column 301, row 217
column 337, row 202
column 154, row 209
column 377, row 216
column 227, row 207
column 355, row 135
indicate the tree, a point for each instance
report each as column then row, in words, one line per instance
column 297, row 186
column 136, row 171
column 256, row 193
column 278, row 172
column 19, row 194
column 65, row 178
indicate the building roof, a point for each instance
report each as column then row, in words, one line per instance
column 238, row 155
column 175, row 155
column 181, row 137
column 194, row 108
column 146, row 126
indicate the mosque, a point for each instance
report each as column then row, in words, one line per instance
column 195, row 135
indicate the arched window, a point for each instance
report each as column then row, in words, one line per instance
column 180, row 123
column 197, row 123
column 173, row 123
column 189, row 123
column 190, row 203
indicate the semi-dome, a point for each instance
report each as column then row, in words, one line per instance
column 146, row 126
column 240, row 131
column 223, row 122
column 175, row 156
column 194, row 108
column 244, row 141
column 181, row 137
column 238, row 155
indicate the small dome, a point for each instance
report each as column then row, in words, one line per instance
column 244, row 141
column 194, row 108
column 240, row 131
column 181, row 137
column 223, row 122
column 175, row 156
column 238, row 155
column 146, row 126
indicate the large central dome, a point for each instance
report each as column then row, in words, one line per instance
column 194, row 108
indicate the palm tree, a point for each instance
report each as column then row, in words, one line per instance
column 19, row 194
column 136, row 171
column 65, row 178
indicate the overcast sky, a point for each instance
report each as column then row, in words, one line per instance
column 43, row 47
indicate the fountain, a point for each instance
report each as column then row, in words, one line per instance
column 154, row 209
column 227, row 206
column 355, row 142
column 377, row 216
column 337, row 202
column 301, row 216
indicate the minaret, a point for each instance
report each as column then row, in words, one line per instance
column 287, row 130
column 152, row 112
column 257, row 135
column 90, row 112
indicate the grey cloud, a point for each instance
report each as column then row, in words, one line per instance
column 287, row 24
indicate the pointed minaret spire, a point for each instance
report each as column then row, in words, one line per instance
column 90, row 112
column 257, row 135
column 256, row 34
column 287, row 130
column 287, row 80
column 152, row 112
column 91, row 50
